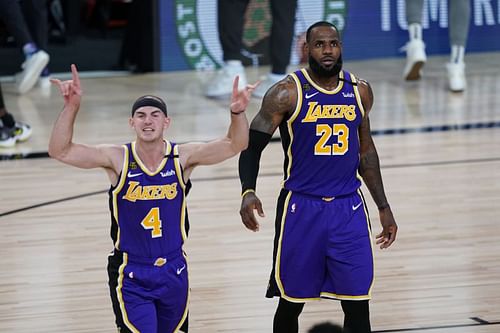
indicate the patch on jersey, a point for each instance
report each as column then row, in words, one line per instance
column 132, row 165
column 306, row 87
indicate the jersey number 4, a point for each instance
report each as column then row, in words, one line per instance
column 152, row 222
column 325, row 131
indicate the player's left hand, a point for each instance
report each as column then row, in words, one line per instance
column 241, row 98
column 389, row 228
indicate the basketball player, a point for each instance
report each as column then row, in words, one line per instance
column 148, row 270
column 323, row 242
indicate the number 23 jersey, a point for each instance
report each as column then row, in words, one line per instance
column 321, row 140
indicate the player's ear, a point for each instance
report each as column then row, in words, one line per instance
column 305, row 50
column 166, row 124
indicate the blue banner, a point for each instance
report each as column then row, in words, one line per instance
column 369, row 28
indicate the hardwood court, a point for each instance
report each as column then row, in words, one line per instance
column 440, row 157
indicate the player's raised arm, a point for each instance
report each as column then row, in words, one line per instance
column 236, row 139
column 61, row 145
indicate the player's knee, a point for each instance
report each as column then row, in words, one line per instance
column 289, row 309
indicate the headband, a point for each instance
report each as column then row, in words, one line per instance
column 149, row 100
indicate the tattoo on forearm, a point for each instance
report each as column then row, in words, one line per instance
column 369, row 168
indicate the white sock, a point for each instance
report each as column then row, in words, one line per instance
column 457, row 54
column 415, row 31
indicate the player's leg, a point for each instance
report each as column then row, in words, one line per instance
column 280, row 43
column 350, row 262
column 356, row 316
column 286, row 318
column 173, row 296
column 415, row 48
column 230, row 19
column 299, row 250
column 134, row 310
column 458, row 30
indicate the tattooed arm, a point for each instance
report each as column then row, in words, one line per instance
column 279, row 100
column 369, row 169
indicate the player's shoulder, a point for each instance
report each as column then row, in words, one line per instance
column 283, row 94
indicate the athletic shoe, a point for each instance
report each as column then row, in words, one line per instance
column 32, row 68
column 222, row 83
column 269, row 80
column 456, row 76
column 7, row 139
column 415, row 59
column 22, row 131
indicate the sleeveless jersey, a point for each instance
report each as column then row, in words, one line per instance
column 148, row 209
column 320, row 139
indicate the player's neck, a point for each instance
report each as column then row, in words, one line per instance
column 151, row 153
column 326, row 82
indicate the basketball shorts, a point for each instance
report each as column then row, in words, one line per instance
column 322, row 248
column 149, row 295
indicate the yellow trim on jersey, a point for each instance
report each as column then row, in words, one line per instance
column 180, row 178
column 357, row 94
column 290, row 121
column 323, row 90
column 345, row 297
column 362, row 110
column 178, row 168
column 186, row 310
column 278, row 259
column 370, row 235
column 119, row 186
column 120, row 296
column 168, row 148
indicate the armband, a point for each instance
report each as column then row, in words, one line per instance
column 248, row 164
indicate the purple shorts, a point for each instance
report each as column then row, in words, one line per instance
column 152, row 295
column 323, row 248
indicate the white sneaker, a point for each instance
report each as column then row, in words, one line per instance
column 222, row 83
column 7, row 139
column 456, row 76
column 32, row 68
column 269, row 80
column 415, row 59
column 22, row 131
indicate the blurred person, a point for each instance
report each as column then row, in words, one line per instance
column 230, row 15
column 27, row 22
column 458, row 25
column 11, row 131
column 323, row 236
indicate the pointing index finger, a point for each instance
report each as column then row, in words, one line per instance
column 76, row 77
column 235, row 85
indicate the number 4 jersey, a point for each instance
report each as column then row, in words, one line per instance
column 320, row 139
column 148, row 209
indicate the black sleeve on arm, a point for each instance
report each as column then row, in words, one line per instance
column 250, row 159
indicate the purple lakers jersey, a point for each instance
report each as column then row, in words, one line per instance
column 148, row 208
column 320, row 139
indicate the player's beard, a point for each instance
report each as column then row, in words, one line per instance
column 321, row 71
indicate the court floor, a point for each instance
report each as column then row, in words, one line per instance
column 440, row 159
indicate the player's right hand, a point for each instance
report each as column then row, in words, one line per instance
column 70, row 89
column 249, row 203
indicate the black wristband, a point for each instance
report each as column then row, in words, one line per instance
column 236, row 113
